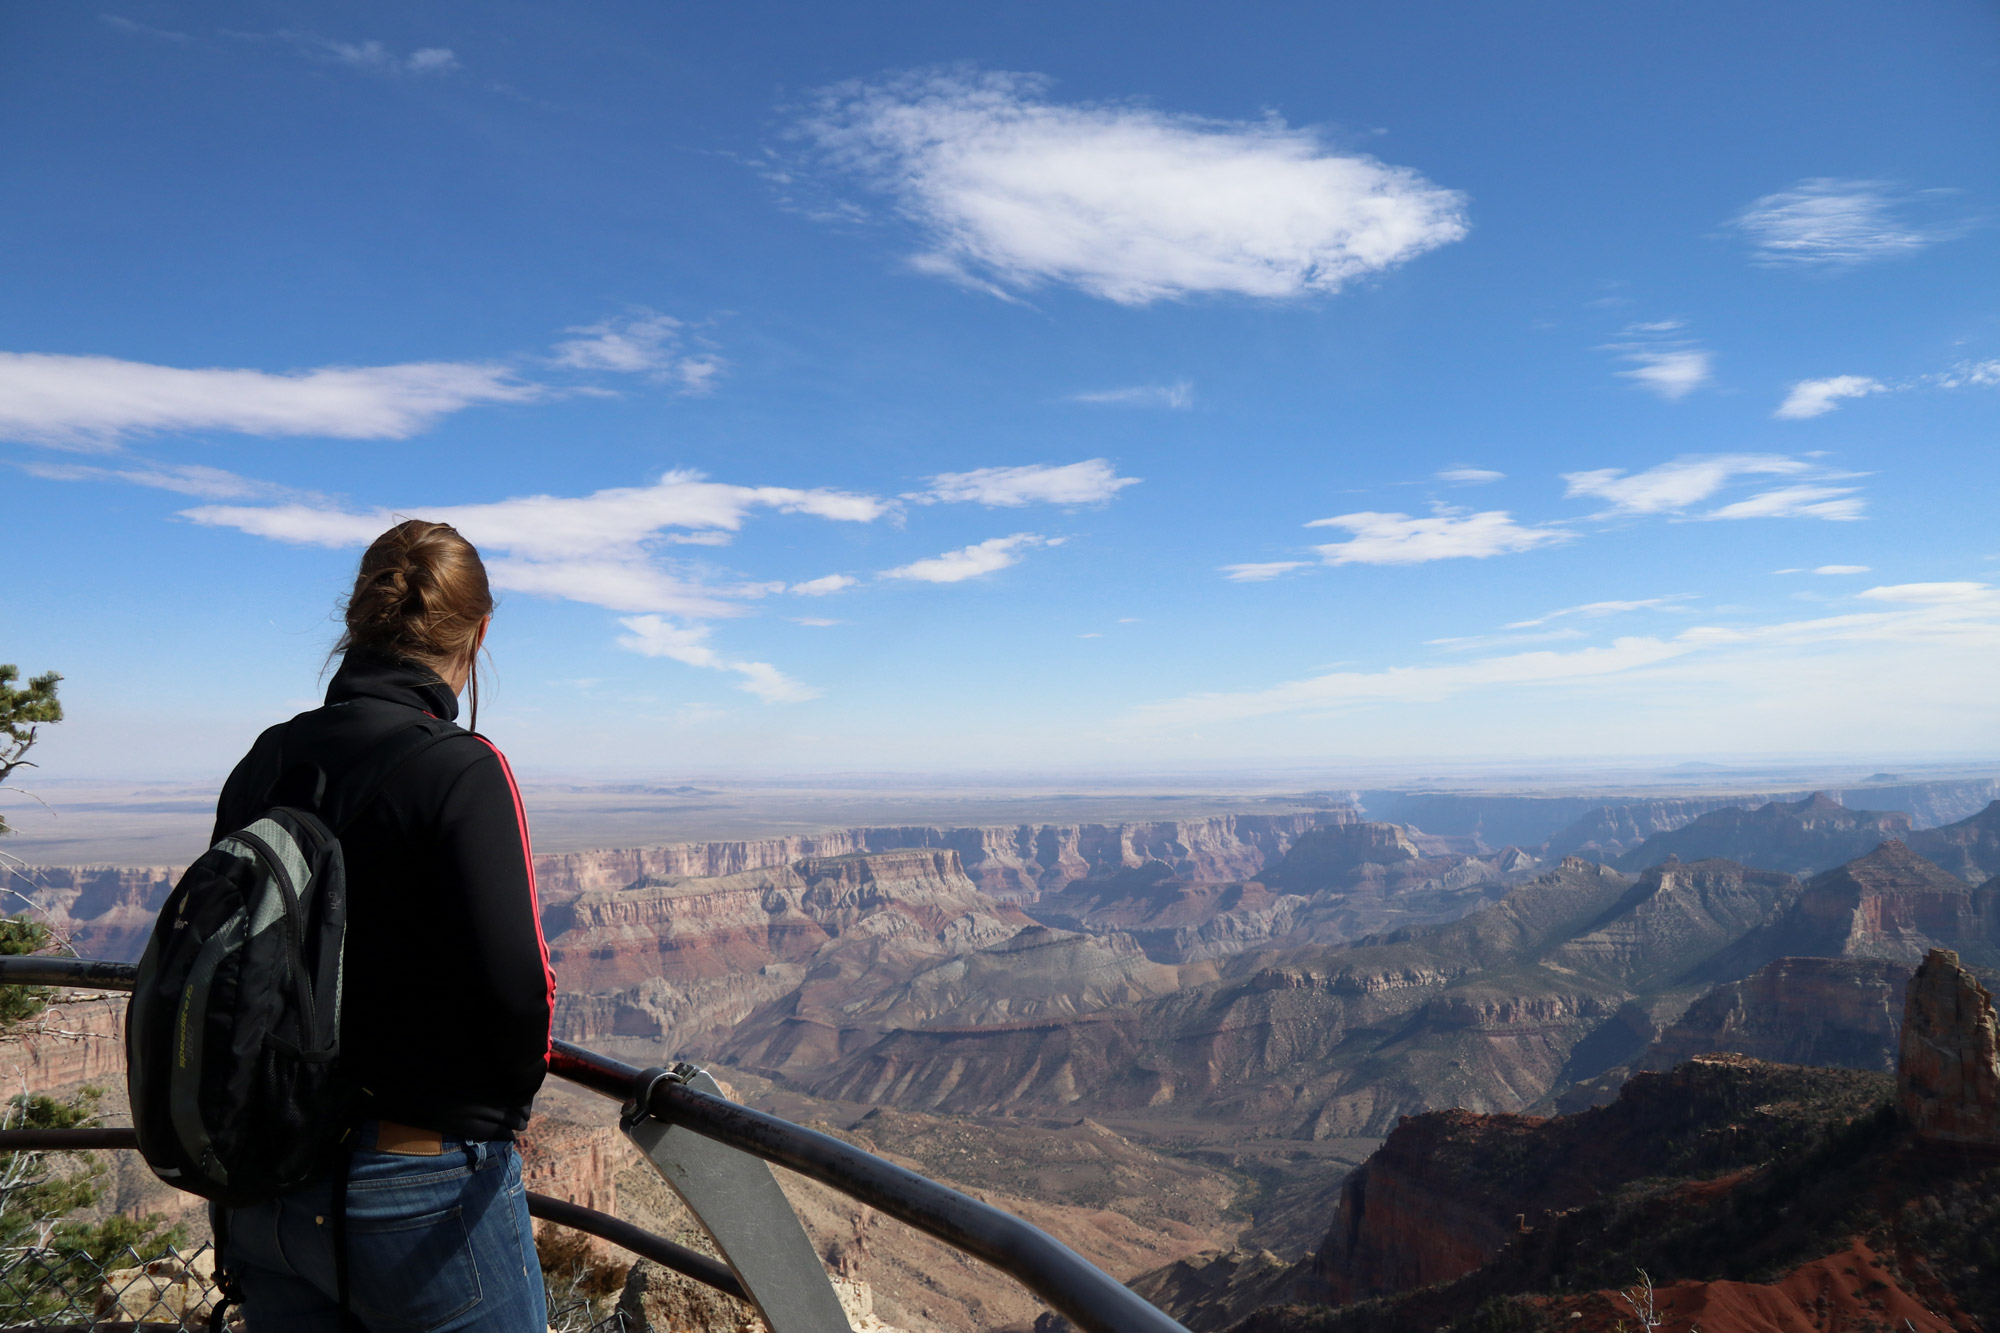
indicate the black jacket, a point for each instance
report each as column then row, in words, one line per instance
column 445, row 1016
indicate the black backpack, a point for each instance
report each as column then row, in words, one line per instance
column 233, row 1039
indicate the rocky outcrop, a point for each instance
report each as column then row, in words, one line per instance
column 1610, row 831
column 1890, row 903
column 79, row 1039
column 102, row 911
column 1336, row 883
column 1801, row 838
column 1948, row 1079
column 1674, row 919
column 1841, row 1013
column 1969, row 849
column 1007, row 861
column 579, row 1163
column 1449, row 1191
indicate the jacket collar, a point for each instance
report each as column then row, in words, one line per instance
column 364, row 675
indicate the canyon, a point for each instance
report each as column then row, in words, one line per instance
column 1244, row 1006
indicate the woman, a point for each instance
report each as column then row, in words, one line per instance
column 447, row 991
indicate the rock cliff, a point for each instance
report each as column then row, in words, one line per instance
column 1008, row 862
column 1948, row 1079
column 1969, row 849
column 1610, row 831
column 1840, row 1013
column 103, row 911
column 1890, row 903
column 1337, row 883
column 1802, row 837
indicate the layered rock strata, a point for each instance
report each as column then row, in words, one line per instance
column 1948, row 1079
column 1839, row 1013
column 1801, row 838
column 1009, row 862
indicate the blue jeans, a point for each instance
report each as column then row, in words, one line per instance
column 433, row 1243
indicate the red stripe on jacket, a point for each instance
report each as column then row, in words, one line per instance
column 534, row 896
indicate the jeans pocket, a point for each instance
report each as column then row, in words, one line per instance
column 412, row 1272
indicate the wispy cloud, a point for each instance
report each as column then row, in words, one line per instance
column 972, row 561
column 1598, row 610
column 1178, row 396
column 1916, row 618
column 1092, row 482
column 654, row 636
column 206, row 483
column 602, row 549
column 822, row 587
column 1470, row 476
column 1678, row 486
column 1122, row 201
column 1812, row 398
column 1828, row 223
column 371, row 56
column 644, row 343
column 93, row 401
column 1841, row 569
column 1672, row 368
column 1449, row 534
column 1262, row 572
column 1837, row 503
column 138, row 29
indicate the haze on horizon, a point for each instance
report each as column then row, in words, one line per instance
column 899, row 389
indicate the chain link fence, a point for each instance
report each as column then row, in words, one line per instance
column 52, row 1289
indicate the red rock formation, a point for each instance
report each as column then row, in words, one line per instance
column 79, row 1040
column 1837, row 1012
column 1019, row 861
column 579, row 1163
column 1948, row 1079
column 103, row 911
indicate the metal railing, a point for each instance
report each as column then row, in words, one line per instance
column 1090, row 1298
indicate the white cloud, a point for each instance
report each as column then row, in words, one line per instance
column 820, row 587
column 207, row 483
column 93, row 401
column 1092, row 482
column 1398, row 539
column 1121, row 201
column 1961, row 594
column 372, row 56
column 1672, row 373
column 1841, row 569
column 1828, row 223
column 654, row 636
column 596, row 548
column 1597, row 610
column 972, row 561
column 1828, row 502
column 1969, row 374
column 816, row 622
column 1470, row 476
column 1671, row 487
column 1179, row 396
column 1259, row 573
column 1812, row 398
column 1918, row 621
column 646, row 343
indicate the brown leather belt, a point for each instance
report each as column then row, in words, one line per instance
column 408, row 1139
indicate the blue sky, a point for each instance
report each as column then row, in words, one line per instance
column 938, row 387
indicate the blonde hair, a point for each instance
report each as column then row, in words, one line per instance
column 421, row 595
